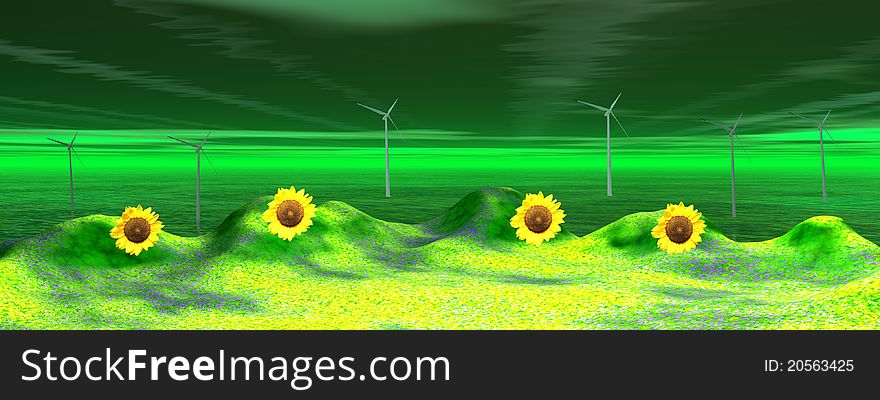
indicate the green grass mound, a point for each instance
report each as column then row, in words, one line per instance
column 632, row 233
column 86, row 242
column 336, row 227
column 244, row 233
column 823, row 237
column 484, row 215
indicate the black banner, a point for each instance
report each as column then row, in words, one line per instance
column 325, row 364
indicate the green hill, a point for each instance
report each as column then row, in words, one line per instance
column 632, row 234
column 484, row 215
column 86, row 242
column 336, row 227
column 822, row 237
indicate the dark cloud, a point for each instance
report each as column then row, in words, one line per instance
column 383, row 14
column 509, row 69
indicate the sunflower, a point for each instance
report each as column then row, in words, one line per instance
column 537, row 220
column 137, row 230
column 679, row 229
column 290, row 213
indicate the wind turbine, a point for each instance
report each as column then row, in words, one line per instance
column 731, row 132
column 199, row 153
column 821, row 126
column 386, row 116
column 70, row 153
column 608, row 114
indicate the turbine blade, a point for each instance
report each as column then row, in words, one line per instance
column 829, row 133
column 826, row 117
column 77, row 157
column 382, row 113
column 205, row 139
column 615, row 101
column 737, row 122
column 619, row 124
column 741, row 146
column 717, row 124
column 395, row 128
column 183, row 141
column 392, row 105
column 393, row 124
column 59, row 142
column 833, row 140
column 74, row 138
column 209, row 160
column 600, row 108
column 801, row 116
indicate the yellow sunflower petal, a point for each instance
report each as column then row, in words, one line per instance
column 275, row 227
column 533, row 240
column 268, row 215
column 517, row 221
column 658, row 232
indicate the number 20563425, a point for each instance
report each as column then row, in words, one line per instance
column 808, row 366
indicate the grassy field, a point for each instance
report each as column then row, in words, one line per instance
column 463, row 269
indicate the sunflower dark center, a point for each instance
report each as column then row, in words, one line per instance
column 679, row 229
column 538, row 219
column 137, row 230
column 289, row 213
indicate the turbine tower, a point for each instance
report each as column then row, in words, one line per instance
column 70, row 153
column 821, row 126
column 731, row 133
column 386, row 116
column 609, row 112
column 199, row 153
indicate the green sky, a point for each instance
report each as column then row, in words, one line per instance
column 491, row 67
